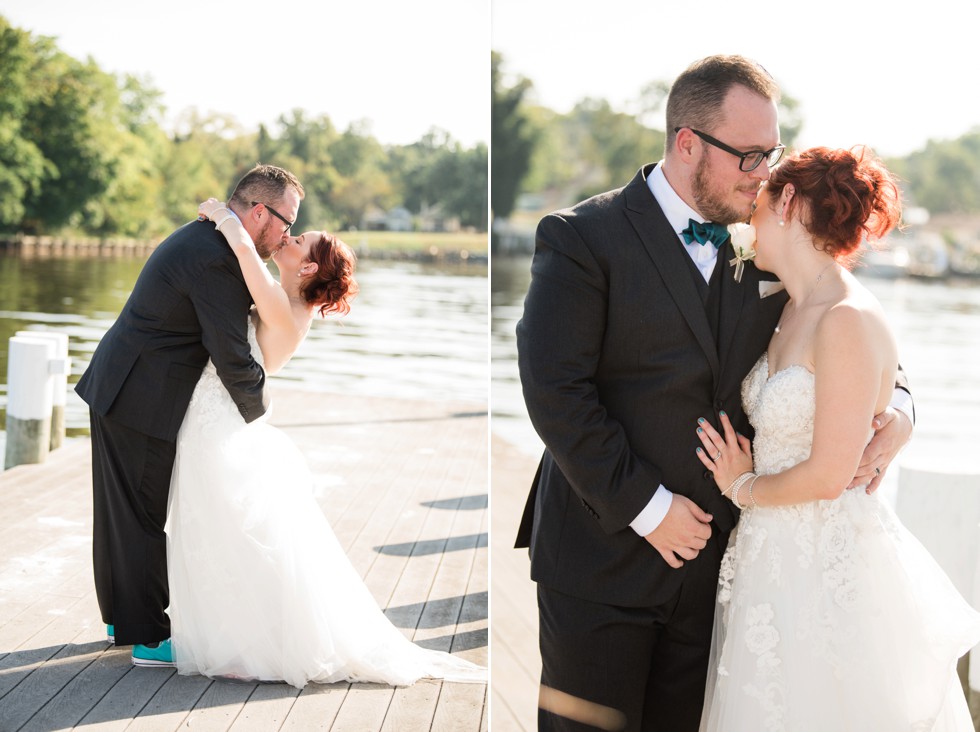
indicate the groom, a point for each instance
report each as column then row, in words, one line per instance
column 631, row 331
column 189, row 304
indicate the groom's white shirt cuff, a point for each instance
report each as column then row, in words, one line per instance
column 654, row 513
column 902, row 401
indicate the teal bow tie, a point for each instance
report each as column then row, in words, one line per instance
column 703, row 233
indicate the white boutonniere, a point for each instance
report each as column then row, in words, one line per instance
column 743, row 242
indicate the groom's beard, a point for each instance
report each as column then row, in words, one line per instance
column 268, row 241
column 710, row 201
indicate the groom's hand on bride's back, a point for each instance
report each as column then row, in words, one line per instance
column 683, row 533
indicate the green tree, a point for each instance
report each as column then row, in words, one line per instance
column 467, row 198
column 69, row 121
column 614, row 144
column 23, row 167
column 359, row 161
column 132, row 133
column 944, row 177
column 306, row 145
column 512, row 139
column 83, row 151
column 205, row 157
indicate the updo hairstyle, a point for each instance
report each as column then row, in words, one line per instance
column 332, row 286
column 842, row 196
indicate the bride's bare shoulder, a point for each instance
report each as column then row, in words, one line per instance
column 857, row 321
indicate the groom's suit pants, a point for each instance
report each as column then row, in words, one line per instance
column 130, row 486
column 640, row 669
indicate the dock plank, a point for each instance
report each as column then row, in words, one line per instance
column 83, row 691
column 267, row 708
column 516, row 664
column 168, row 709
column 316, row 707
column 126, row 699
column 460, row 708
column 365, row 708
column 404, row 483
column 412, row 707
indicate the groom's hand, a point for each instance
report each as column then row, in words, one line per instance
column 893, row 429
column 683, row 533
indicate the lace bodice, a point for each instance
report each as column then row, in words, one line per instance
column 211, row 402
column 780, row 408
column 827, row 599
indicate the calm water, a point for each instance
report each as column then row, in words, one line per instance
column 938, row 329
column 416, row 331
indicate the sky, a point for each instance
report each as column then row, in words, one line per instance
column 404, row 66
column 887, row 74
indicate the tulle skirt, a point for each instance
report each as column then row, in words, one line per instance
column 259, row 586
column 832, row 616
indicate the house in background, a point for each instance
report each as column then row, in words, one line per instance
column 396, row 219
column 430, row 218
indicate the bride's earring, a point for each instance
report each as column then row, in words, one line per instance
column 782, row 223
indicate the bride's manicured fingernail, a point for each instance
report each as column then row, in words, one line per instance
column 700, row 420
column 722, row 413
column 700, row 432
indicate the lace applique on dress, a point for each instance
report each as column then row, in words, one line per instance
column 830, row 614
column 211, row 403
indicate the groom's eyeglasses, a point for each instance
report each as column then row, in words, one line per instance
column 748, row 161
column 287, row 222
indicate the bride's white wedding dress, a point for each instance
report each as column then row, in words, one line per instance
column 259, row 586
column 830, row 615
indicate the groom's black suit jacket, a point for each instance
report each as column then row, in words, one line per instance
column 189, row 303
column 618, row 358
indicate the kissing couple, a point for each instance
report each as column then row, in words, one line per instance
column 256, row 583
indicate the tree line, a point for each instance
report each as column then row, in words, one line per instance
column 594, row 148
column 85, row 152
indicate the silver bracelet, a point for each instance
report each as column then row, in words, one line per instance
column 734, row 498
column 738, row 482
column 737, row 485
column 752, row 483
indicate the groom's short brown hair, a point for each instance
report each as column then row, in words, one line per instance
column 266, row 184
column 697, row 95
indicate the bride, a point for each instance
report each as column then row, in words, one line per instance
column 260, row 588
column 830, row 615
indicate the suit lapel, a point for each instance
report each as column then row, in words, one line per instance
column 732, row 299
column 667, row 255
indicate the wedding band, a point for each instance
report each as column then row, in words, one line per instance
column 877, row 471
column 715, row 458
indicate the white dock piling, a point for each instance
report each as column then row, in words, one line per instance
column 60, row 367
column 942, row 510
column 30, row 361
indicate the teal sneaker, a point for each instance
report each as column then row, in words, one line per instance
column 110, row 634
column 159, row 655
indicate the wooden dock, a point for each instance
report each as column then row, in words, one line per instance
column 404, row 485
column 515, row 666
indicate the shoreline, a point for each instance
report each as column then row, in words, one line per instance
column 455, row 247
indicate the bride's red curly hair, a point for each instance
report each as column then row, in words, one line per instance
column 332, row 286
column 846, row 196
